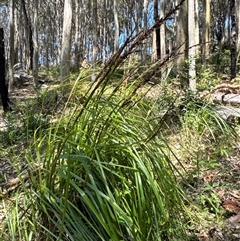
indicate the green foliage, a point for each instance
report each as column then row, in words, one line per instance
column 105, row 171
column 210, row 200
column 220, row 61
column 206, row 79
column 110, row 181
column 25, row 120
column 54, row 72
column 201, row 117
column 203, row 133
column 47, row 101
column 11, row 132
column 102, row 176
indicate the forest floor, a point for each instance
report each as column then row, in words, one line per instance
column 216, row 187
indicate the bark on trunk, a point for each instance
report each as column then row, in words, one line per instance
column 206, row 31
column 3, row 86
column 116, row 25
column 35, row 52
column 191, row 44
column 11, row 45
column 66, row 40
column 30, row 36
column 157, row 30
column 233, row 41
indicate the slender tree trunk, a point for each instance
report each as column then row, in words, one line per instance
column 163, row 37
column 116, row 26
column 145, row 22
column 11, row 45
column 238, row 27
column 35, row 42
column 77, row 34
column 21, row 44
column 104, row 34
column 59, row 27
column 47, row 37
column 182, row 36
column 16, row 35
column 95, row 38
column 138, row 22
column 191, row 43
column 233, row 40
column 3, row 86
column 95, row 31
column 156, row 34
column 206, row 31
column 162, row 30
column 29, row 35
column 66, row 40
column 197, row 35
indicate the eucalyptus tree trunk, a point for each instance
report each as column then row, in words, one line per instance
column 11, row 44
column 35, row 42
column 145, row 24
column 191, row 48
column 162, row 30
column 59, row 29
column 94, row 38
column 77, row 33
column 16, row 35
column 3, row 86
column 238, row 27
column 181, row 43
column 138, row 23
column 47, row 36
column 197, row 31
column 163, row 36
column 145, row 14
column 95, row 31
column 66, row 40
column 21, row 30
column 156, row 34
column 233, row 40
column 206, row 31
column 104, row 30
column 116, row 26
column 29, row 37
column 138, row 19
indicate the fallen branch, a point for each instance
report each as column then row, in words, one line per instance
column 223, row 98
column 228, row 112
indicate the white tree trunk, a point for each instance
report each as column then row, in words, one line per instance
column 95, row 38
column 95, row 31
column 162, row 30
column 77, row 33
column 191, row 43
column 66, row 40
column 35, row 43
column 116, row 26
column 197, row 36
column 206, row 31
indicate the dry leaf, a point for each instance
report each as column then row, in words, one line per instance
column 232, row 206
